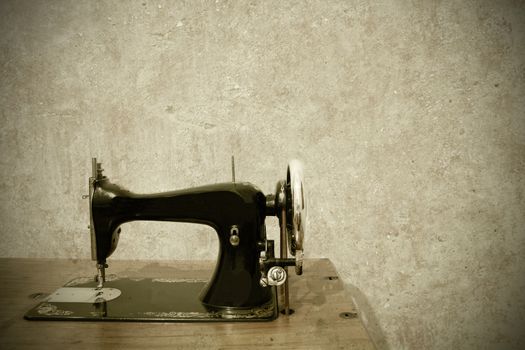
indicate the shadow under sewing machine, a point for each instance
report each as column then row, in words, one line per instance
column 247, row 273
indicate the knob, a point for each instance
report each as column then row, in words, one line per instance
column 276, row 276
column 234, row 240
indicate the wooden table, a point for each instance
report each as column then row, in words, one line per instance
column 324, row 318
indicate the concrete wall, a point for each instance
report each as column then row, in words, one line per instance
column 409, row 117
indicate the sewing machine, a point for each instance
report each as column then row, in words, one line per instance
column 247, row 273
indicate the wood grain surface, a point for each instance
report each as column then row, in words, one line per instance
column 318, row 302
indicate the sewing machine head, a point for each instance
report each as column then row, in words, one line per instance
column 247, row 267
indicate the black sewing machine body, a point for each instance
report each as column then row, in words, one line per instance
column 235, row 282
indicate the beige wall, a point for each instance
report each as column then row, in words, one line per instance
column 409, row 118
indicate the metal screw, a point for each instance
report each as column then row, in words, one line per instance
column 263, row 282
column 348, row 314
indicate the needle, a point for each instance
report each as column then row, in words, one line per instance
column 101, row 275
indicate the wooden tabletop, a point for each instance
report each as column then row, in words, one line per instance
column 324, row 318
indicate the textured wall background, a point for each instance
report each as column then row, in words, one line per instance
column 409, row 118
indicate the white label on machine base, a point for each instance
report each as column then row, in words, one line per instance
column 83, row 295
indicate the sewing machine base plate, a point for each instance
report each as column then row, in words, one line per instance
column 143, row 300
